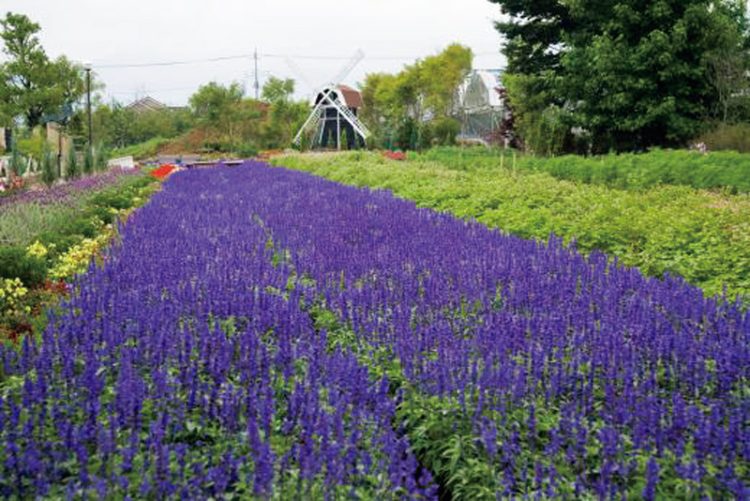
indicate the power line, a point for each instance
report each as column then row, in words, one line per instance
column 173, row 63
column 270, row 56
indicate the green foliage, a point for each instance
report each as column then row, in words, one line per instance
column 71, row 165
column 213, row 102
column 443, row 131
column 88, row 161
column 276, row 90
column 31, row 84
column 632, row 75
column 49, row 170
column 100, row 158
column 118, row 127
column 282, row 122
column 246, row 150
column 541, row 125
column 701, row 236
column 32, row 146
column 409, row 109
column 66, row 223
column 17, row 164
column 16, row 263
column 631, row 171
column 141, row 150
column 728, row 137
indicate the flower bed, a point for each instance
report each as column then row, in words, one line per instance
column 314, row 340
column 67, row 191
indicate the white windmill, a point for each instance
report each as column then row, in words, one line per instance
column 334, row 113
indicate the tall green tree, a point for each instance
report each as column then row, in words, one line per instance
column 631, row 73
column 644, row 78
column 284, row 115
column 405, row 107
column 34, row 86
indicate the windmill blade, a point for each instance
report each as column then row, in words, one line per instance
column 349, row 66
column 350, row 117
column 299, row 73
column 315, row 114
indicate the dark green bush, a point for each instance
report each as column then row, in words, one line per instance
column 16, row 263
column 49, row 173
column 445, row 131
column 88, row 162
column 58, row 243
column 246, row 150
column 71, row 167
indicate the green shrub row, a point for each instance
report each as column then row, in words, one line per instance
column 60, row 227
column 141, row 150
column 699, row 235
column 715, row 170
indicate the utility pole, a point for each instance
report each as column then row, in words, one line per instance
column 257, row 83
column 87, row 67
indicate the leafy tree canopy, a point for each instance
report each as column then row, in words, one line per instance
column 32, row 85
column 631, row 73
column 422, row 92
column 277, row 89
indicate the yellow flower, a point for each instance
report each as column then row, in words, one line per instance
column 37, row 249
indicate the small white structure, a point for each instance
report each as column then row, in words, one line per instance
column 482, row 109
column 122, row 162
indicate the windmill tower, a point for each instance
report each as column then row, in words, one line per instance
column 334, row 114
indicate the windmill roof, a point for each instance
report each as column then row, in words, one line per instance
column 352, row 97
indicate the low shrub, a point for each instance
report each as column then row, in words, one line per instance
column 15, row 262
column 735, row 137
column 246, row 150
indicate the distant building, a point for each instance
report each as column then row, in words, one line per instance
column 148, row 103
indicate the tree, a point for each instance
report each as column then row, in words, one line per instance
column 643, row 79
column 33, row 85
column 400, row 107
column 277, row 89
column 218, row 107
column 533, row 33
column 633, row 74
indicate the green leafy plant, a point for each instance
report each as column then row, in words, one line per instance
column 49, row 172
column 17, row 164
column 71, row 165
column 88, row 162
column 16, row 262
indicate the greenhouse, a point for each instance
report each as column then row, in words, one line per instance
column 482, row 108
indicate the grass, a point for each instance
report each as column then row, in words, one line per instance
column 700, row 235
column 145, row 149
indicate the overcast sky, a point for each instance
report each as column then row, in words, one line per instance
column 390, row 32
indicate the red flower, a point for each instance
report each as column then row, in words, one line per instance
column 163, row 171
column 395, row 155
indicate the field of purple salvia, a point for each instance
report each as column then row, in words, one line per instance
column 265, row 333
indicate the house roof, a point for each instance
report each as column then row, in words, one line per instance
column 147, row 103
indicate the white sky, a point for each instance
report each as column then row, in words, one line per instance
column 390, row 32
